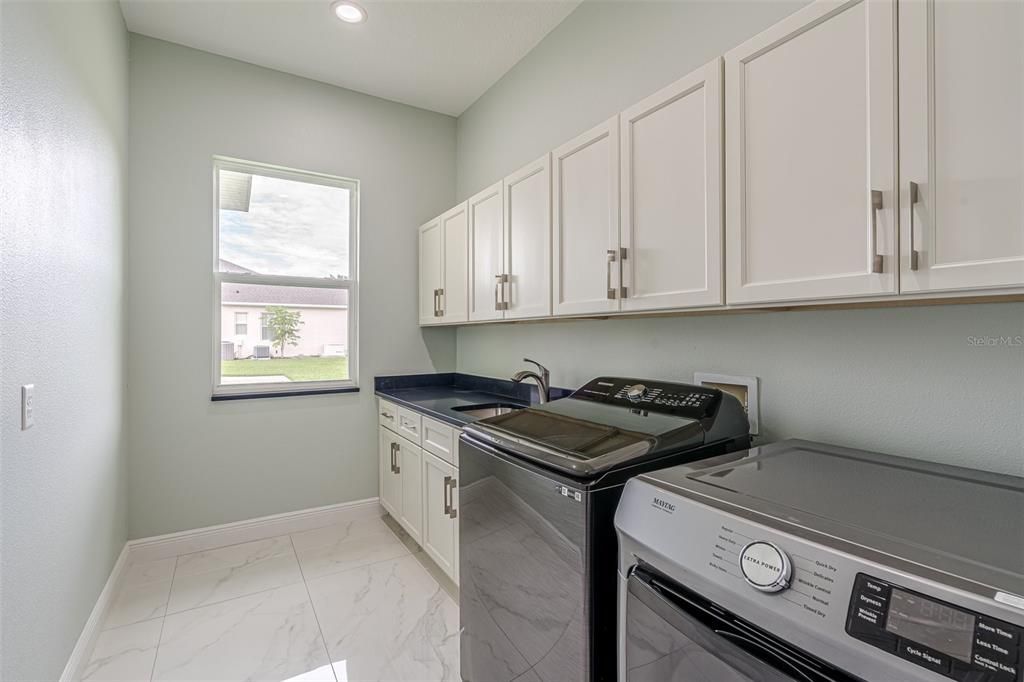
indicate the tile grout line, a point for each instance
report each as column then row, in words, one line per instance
column 312, row 607
column 163, row 621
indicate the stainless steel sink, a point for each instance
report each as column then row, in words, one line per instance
column 488, row 410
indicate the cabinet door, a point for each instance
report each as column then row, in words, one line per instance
column 430, row 272
column 961, row 144
column 672, row 219
column 585, row 222
column 455, row 265
column 439, row 528
column 810, row 156
column 390, row 479
column 410, row 466
column 486, row 255
column 528, row 240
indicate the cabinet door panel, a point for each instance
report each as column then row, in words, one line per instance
column 528, row 240
column 672, row 195
column 411, row 518
column 585, row 222
column 486, row 264
column 439, row 529
column 962, row 144
column 454, row 265
column 430, row 271
column 390, row 481
column 810, row 114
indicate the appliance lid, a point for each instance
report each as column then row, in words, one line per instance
column 598, row 428
column 962, row 522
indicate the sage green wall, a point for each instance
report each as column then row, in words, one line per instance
column 195, row 463
column 63, row 131
column 907, row 381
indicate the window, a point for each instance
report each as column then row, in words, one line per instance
column 286, row 254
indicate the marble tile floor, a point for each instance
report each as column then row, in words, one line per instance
column 345, row 603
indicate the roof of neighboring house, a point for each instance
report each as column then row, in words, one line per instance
column 233, row 292
column 269, row 294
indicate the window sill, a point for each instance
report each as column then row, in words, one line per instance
column 218, row 397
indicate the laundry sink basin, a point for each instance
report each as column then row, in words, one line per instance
column 487, row 410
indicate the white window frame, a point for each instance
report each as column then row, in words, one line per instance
column 255, row 390
column 244, row 323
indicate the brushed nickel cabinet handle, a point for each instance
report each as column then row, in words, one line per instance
column 447, row 504
column 452, row 511
column 914, row 255
column 392, row 458
column 440, row 302
column 500, row 303
column 611, row 292
column 398, row 451
column 876, row 206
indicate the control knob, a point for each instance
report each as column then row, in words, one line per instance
column 765, row 567
column 636, row 392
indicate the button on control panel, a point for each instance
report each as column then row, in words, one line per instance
column 696, row 402
column 946, row 639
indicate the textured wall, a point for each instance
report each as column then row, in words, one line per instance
column 906, row 381
column 193, row 462
column 63, row 117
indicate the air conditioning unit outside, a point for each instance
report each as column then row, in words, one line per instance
column 261, row 351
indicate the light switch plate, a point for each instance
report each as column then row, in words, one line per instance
column 28, row 399
column 744, row 388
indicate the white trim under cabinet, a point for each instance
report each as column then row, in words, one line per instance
column 527, row 241
column 961, row 145
column 455, row 264
column 431, row 265
column 585, row 276
column 811, row 156
column 672, row 213
column 486, row 253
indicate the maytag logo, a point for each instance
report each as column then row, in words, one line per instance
column 663, row 505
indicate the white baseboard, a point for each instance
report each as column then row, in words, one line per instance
column 211, row 537
column 83, row 647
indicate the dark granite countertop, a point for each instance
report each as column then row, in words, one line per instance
column 434, row 395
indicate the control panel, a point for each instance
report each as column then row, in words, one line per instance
column 685, row 400
column 946, row 639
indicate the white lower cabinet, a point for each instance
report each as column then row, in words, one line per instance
column 419, row 482
column 440, row 518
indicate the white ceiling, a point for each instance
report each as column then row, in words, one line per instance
column 438, row 55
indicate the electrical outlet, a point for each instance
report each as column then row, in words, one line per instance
column 28, row 401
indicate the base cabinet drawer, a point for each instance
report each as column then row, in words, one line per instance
column 440, row 439
column 409, row 424
column 440, row 514
column 387, row 415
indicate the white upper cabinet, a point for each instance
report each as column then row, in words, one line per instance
column 486, row 254
column 431, row 263
column 455, row 265
column 961, row 144
column 811, row 156
column 527, row 194
column 585, row 222
column 672, row 195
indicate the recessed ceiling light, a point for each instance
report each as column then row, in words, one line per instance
column 349, row 12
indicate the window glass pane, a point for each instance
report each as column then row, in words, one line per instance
column 302, row 335
column 273, row 226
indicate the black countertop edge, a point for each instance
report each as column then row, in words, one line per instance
column 435, row 395
column 524, row 392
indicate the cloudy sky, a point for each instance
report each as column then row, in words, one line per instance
column 291, row 228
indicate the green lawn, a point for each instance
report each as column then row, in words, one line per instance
column 296, row 369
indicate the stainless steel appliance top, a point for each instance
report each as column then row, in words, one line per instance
column 613, row 422
column 964, row 523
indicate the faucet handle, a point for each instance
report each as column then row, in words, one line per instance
column 543, row 370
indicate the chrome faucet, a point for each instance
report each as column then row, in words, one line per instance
column 543, row 379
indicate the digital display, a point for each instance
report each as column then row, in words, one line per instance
column 932, row 624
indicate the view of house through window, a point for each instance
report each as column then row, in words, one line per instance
column 285, row 288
